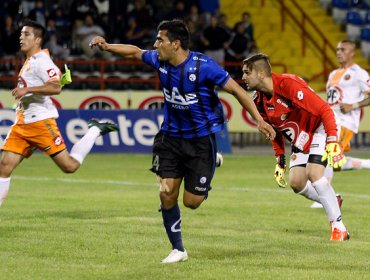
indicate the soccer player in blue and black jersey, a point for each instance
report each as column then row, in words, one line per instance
column 185, row 147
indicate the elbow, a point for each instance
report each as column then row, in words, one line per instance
column 57, row 90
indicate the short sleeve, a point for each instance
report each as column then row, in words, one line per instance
column 47, row 70
column 151, row 58
column 363, row 78
column 215, row 73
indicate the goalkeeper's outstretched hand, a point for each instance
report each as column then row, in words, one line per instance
column 280, row 171
column 334, row 155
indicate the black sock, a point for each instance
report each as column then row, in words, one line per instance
column 172, row 224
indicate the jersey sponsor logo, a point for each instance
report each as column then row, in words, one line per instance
column 279, row 101
column 51, row 72
column 334, row 95
column 199, row 58
column 300, row 95
column 302, row 140
column 175, row 97
column 200, row 189
column 270, row 108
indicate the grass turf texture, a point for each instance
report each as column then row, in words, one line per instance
column 103, row 223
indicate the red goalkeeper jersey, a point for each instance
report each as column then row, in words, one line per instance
column 295, row 111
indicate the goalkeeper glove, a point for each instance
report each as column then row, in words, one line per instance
column 66, row 78
column 334, row 155
column 280, row 171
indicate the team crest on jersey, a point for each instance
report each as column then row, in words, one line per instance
column 192, row 77
column 51, row 72
column 347, row 77
column 283, row 117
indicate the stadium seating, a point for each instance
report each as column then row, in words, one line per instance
column 365, row 42
column 339, row 10
column 354, row 23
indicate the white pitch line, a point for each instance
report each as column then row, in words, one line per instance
column 83, row 181
column 134, row 184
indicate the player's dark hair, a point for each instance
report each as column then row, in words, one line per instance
column 259, row 62
column 352, row 43
column 176, row 30
column 39, row 30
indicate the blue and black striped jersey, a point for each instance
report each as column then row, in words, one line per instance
column 192, row 107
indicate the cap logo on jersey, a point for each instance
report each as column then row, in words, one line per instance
column 51, row 73
column 58, row 140
column 347, row 77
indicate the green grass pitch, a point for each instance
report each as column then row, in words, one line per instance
column 102, row 223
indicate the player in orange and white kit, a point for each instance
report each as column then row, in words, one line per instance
column 346, row 90
column 35, row 126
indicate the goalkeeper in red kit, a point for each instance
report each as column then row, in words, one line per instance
column 299, row 115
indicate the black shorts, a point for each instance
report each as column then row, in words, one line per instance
column 191, row 159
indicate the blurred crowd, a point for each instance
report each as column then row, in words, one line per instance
column 71, row 24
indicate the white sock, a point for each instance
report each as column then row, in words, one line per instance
column 356, row 163
column 329, row 202
column 4, row 188
column 329, row 172
column 309, row 192
column 84, row 145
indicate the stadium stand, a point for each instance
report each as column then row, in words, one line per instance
column 354, row 23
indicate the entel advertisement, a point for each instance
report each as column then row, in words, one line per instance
column 238, row 119
column 136, row 134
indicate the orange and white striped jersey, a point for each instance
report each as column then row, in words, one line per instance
column 36, row 71
column 347, row 85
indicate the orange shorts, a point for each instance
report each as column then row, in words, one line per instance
column 345, row 139
column 44, row 135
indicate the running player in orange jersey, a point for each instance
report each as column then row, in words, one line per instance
column 35, row 126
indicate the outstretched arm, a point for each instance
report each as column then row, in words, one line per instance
column 246, row 101
column 121, row 49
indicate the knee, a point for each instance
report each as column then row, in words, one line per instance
column 296, row 184
column 168, row 200
column 69, row 169
column 192, row 204
column 5, row 170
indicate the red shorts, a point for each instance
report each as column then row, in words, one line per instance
column 44, row 135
